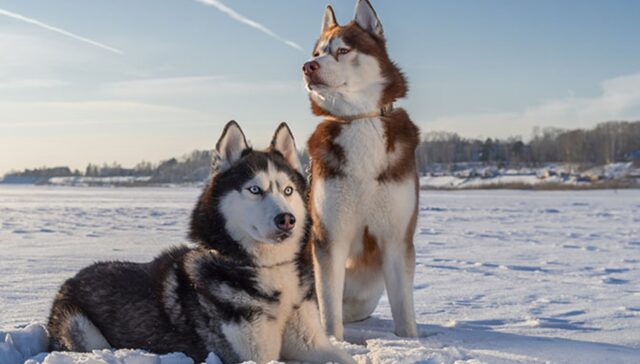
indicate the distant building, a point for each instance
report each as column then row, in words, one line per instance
column 634, row 157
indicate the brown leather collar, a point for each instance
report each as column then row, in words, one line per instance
column 385, row 110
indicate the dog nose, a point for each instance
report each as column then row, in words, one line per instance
column 285, row 222
column 310, row 67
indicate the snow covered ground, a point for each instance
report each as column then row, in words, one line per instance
column 502, row 276
column 551, row 176
column 82, row 181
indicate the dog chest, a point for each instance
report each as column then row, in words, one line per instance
column 283, row 279
column 364, row 146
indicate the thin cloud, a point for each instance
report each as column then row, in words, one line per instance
column 191, row 87
column 58, row 30
column 243, row 19
column 619, row 100
column 105, row 112
column 30, row 83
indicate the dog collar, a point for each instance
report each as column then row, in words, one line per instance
column 348, row 118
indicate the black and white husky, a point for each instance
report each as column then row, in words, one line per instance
column 244, row 292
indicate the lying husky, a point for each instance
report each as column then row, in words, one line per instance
column 364, row 188
column 245, row 292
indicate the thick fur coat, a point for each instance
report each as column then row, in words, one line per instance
column 364, row 189
column 244, row 291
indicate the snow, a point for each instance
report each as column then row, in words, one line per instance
column 105, row 181
column 552, row 175
column 506, row 179
column 111, row 357
column 501, row 276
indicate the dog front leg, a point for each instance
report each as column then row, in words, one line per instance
column 329, row 267
column 305, row 340
column 253, row 341
column 399, row 266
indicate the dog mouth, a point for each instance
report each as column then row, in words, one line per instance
column 279, row 237
column 273, row 238
column 314, row 82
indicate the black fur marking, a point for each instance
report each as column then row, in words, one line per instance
column 124, row 301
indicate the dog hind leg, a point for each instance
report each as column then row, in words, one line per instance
column 362, row 292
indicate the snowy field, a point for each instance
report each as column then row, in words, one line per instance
column 564, row 176
column 502, row 276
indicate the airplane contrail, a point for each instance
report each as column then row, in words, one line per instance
column 252, row 23
column 58, row 30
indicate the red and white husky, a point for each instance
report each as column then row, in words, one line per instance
column 364, row 192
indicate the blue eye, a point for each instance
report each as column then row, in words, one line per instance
column 288, row 191
column 255, row 190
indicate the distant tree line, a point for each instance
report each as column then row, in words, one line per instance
column 46, row 172
column 193, row 167
column 607, row 142
column 116, row 170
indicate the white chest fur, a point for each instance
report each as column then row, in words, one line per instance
column 364, row 145
column 284, row 279
column 261, row 339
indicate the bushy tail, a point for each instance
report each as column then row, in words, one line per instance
column 70, row 330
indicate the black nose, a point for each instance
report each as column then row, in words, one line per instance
column 285, row 222
column 310, row 67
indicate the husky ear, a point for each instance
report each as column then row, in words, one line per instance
column 284, row 143
column 367, row 19
column 230, row 146
column 328, row 20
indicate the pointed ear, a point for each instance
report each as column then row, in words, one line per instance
column 284, row 143
column 328, row 20
column 230, row 146
column 367, row 18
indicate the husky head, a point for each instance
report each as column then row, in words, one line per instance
column 350, row 71
column 253, row 198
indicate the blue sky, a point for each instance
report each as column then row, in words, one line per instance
column 163, row 77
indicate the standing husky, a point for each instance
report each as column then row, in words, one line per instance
column 364, row 189
column 245, row 292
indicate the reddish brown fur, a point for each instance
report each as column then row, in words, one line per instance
column 327, row 156
column 400, row 132
column 401, row 135
column 371, row 256
column 411, row 228
column 367, row 43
